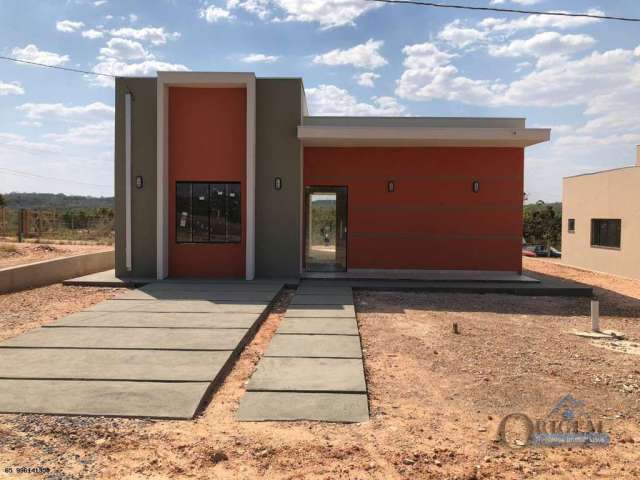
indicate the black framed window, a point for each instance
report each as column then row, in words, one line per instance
column 606, row 232
column 571, row 225
column 208, row 212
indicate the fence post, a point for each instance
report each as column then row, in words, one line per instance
column 21, row 225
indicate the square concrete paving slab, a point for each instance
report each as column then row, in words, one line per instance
column 337, row 375
column 178, row 306
column 321, row 346
column 102, row 398
column 322, row 300
column 116, row 365
column 324, row 311
column 127, row 338
column 156, row 320
column 319, row 326
column 288, row 406
column 243, row 297
column 302, row 290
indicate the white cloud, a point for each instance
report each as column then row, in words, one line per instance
column 154, row 35
column 87, row 134
column 546, row 43
column 69, row 26
column 332, row 100
column 366, row 79
column 124, row 49
column 260, row 58
column 365, row 55
column 459, row 35
column 538, row 21
column 99, row 3
column 146, row 68
column 31, row 53
column 59, row 111
column 92, row 34
column 11, row 88
column 14, row 141
column 213, row 14
column 328, row 13
column 133, row 18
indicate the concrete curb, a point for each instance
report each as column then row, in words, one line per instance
column 43, row 273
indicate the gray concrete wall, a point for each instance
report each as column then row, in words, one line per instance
column 613, row 194
column 53, row 271
column 143, row 163
column 278, row 154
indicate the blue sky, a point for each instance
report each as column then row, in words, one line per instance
column 579, row 77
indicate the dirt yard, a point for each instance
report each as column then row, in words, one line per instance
column 436, row 399
column 12, row 253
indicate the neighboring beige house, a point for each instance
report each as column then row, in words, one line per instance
column 601, row 221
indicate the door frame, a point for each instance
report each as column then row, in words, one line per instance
column 305, row 217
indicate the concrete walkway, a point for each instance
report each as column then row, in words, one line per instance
column 313, row 369
column 153, row 352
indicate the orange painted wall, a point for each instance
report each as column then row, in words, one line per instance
column 433, row 220
column 207, row 142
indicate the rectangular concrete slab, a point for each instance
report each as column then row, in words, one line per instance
column 210, row 288
column 243, row 297
column 319, row 326
column 186, row 306
column 139, row 365
column 125, row 338
column 303, row 291
column 102, row 398
column 157, row 320
column 290, row 406
column 338, row 375
column 324, row 311
column 320, row 299
column 324, row 346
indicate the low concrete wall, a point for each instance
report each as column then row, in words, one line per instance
column 53, row 271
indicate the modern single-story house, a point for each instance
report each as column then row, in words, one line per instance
column 226, row 175
column 601, row 217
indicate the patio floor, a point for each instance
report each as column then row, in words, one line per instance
column 154, row 352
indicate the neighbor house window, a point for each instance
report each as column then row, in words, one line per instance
column 208, row 212
column 606, row 232
column 571, row 225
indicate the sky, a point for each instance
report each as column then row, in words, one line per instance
column 579, row 77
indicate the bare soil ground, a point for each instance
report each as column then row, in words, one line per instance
column 13, row 254
column 436, row 399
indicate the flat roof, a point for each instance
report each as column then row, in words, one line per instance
column 464, row 122
column 602, row 171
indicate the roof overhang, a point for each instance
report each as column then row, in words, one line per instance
column 341, row 136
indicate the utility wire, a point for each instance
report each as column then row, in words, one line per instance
column 27, row 174
column 507, row 10
column 57, row 67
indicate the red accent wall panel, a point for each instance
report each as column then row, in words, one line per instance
column 207, row 143
column 433, row 220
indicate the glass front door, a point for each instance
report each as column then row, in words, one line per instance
column 326, row 229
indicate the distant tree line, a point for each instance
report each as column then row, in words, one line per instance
column 53, row 201
column 543, row 224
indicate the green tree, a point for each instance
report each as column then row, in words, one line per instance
column 543, row 224
column 3, row 202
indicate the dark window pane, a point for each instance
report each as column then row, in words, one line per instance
column 183, row 212
column 572, row 225
column 218, row 212
column 234, row 222
column 200, row 210
column 606, row 232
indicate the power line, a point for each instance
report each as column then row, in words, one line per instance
column 27, row 174
column 507, row 10
column 68, row 69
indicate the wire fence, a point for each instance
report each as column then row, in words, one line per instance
column 56, row 225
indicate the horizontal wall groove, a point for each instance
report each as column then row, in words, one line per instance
column 438, row 236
